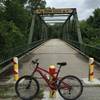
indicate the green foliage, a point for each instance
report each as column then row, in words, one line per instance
column 16, row 12
column 54, row 31
column 14, row 25
column 10, row 36
column 96, row 21
column 34, row 4
column 15, row 22
column 91, row 28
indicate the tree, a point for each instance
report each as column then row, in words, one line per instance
column 91, row 28
column 37, row 3
column 90, row 20
column 2, row 9
column 14, row 24
column 34, row 4
column 11, row 35
column 96, row 17
column 16, row 12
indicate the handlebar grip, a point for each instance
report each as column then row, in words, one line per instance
column 33, row 62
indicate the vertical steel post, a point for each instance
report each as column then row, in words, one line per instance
column 69, row 28
column 45, row 32
column 73, row 26
column 40, row 27
column 78, row 27
column 41, row 30
column 63, row 32
column 67, row 33
column 31, row 29
column 42, row 35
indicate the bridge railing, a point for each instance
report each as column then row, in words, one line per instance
column 8, row 54
column 87, row 49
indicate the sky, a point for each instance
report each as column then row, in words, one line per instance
column 84, row 7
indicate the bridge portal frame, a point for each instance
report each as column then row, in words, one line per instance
column 52, row 12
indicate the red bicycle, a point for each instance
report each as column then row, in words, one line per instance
column 69, row 87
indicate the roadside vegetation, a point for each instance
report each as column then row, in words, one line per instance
column 90, row 29
column 15, row 22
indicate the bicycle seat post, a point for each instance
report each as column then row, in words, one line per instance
column 58, row 70
column 60, row 65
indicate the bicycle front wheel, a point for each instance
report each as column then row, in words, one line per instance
column 27, row 87
column 70, row 87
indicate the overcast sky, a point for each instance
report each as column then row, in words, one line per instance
column 84, row 7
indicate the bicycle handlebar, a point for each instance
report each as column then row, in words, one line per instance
column 59, row 63
column 36, row 61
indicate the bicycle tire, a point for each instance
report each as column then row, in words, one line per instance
column 26, row 94
column 74, row 84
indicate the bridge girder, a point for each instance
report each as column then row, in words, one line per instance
column 54, row 11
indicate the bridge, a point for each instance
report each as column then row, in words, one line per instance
column 67, row 46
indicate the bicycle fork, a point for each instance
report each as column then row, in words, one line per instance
column 30, row 80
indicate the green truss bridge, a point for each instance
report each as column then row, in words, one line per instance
column 41, row 30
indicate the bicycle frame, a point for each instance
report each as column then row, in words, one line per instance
column 51, row 84
column 41, row 71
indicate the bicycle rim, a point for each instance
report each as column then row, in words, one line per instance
column 25, row 92
column 70, row 87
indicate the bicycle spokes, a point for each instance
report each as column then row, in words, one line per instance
column 70, row 87
column 27, row 89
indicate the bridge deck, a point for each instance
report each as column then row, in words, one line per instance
column 54, row 51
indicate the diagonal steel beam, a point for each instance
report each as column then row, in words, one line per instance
column 69, row 16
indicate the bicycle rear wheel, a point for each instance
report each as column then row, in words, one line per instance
column 70, row 87
column 27, row 88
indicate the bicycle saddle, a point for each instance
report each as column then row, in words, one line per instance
column 62, row 63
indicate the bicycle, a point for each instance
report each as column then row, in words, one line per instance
column 69, row 87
